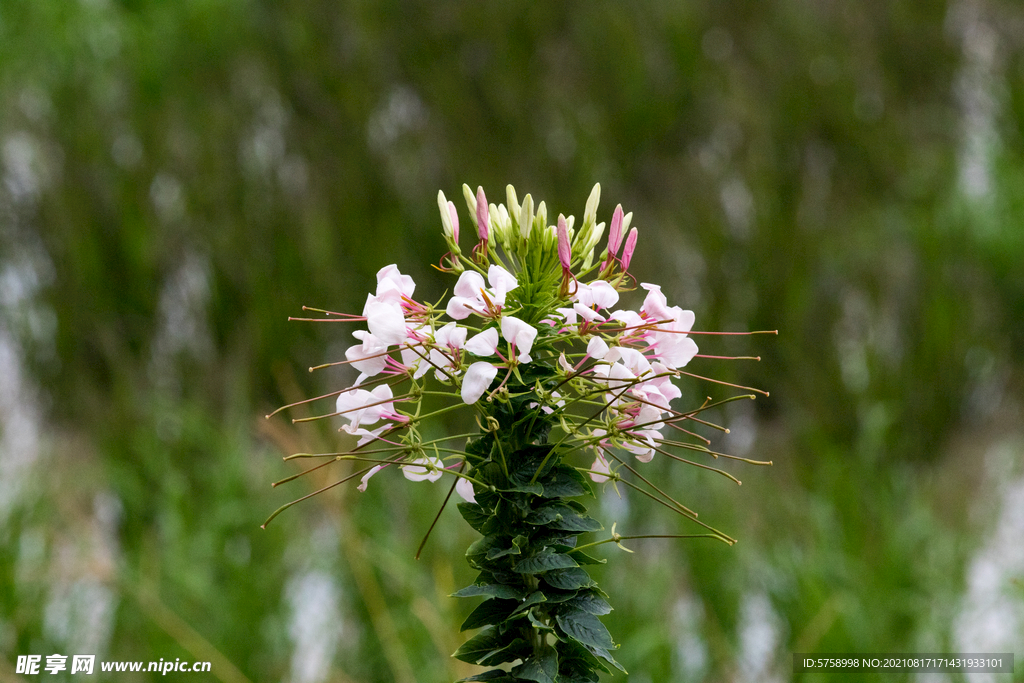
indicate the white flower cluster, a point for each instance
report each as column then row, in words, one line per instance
column 630, row 359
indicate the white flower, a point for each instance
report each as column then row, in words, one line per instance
column 484, row 344
column 450, row 337
column 364, row 407
column 428, row 468
column 464, row 487
column 366, row 477
column 597, row 293
column 391, row 283
column 600, row 465
column 370, row 356
column 520, row 334
column 472, row 297
column 476, row 380
column 597, row 348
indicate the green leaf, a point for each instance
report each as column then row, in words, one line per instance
column 474, row 515
column 561, row 516
column 543, row 562
column 534, row 598
column 576, row 662
column 565, row 482
column 590, row 602
column 536, row 488
column 541, row 668
column 487, row 584
column 489, row 612
column 582, row 558
column 517, row 649
column 481, row 645
column 527, row 461
column 494, row 676
column 514, row 549
column 606, row 656
column 568, row 579
column 585, row 627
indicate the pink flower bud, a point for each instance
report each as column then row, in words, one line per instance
column 483, row 215
column 627, row 252
column 615, row 232
column 564, row 250
column 455, row 221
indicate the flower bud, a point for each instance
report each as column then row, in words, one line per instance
column 564, row 249
column 526, row 217
column 483, row 219
column 627, row 251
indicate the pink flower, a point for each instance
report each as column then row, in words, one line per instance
column 476, row 380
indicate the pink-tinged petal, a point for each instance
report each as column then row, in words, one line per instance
column 464, row 487
column 630, row 318
column 459, row 307
column 502, row 281
column 615, row 232
column 518, row 332
column 587, row 313
column 597, row 348
column 627, row 251
column 368, row 357
column 390, row 276
column 478, row 377
column 603, row 295
column 469, row 284
column 366, row 477
column 564, row 364
column 424, row 469
column 450, row 336
column 386, row 322
column 484, row 344
column 655, row 305
column 483, row 218
column 455, row 221
column 569, row 314
column 564, row 249
column 600, row 465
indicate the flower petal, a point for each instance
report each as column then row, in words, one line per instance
column 484, row 344
column 478, row 377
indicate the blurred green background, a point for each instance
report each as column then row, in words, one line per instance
column 176, row 178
